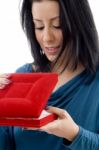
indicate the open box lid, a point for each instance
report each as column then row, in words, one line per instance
column 27, row 95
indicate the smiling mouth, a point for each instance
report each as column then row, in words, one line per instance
column 52, row 50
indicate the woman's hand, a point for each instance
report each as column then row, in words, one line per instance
column 4, row 80
column 63, row 127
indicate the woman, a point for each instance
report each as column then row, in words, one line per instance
column 63, row 39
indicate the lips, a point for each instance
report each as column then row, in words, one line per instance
column 52, row 50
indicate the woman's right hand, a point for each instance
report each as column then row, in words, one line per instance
column 4, row 80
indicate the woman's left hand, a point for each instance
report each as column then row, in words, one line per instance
column 63, row 127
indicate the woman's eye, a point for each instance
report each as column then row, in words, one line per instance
column 57, row 27
column 39, row 28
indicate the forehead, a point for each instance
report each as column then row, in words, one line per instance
column 45, row 9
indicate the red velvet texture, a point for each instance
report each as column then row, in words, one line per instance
column 27, row 95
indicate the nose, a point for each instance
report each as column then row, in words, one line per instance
column 48, row 35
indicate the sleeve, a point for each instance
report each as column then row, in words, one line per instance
column 85, row 140
column 5, row 139
column 25, row 68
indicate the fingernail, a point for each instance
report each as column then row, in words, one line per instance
column 2, row 87
column 7, row 82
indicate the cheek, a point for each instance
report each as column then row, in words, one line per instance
column 38, row 37
column 59, row 36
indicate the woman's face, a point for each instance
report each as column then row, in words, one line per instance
column 47, row 27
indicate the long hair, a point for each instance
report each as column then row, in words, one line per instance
column 80, row 37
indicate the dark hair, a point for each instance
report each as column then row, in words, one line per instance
column 80, row 37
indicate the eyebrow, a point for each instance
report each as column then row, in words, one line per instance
column 41, row 20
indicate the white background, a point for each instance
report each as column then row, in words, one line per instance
column 14, row 49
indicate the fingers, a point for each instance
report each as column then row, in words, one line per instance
column 50, row 127
column 4, row 80
column 5, row 75
column 2, row 86
column 60, row 112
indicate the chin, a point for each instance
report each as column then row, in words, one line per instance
column 52, row 58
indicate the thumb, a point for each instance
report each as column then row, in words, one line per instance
column 60, row 112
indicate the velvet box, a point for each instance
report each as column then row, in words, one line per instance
column 23, row 101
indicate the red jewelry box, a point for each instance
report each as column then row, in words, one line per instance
column 23, row 101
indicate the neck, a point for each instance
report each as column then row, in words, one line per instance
column 67, row 75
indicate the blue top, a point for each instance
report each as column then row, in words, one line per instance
column 80, row 97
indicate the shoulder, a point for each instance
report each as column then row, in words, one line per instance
column 28, row 67
column 93, row 80
column 97, row 75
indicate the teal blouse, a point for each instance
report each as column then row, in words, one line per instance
column 80, row 97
